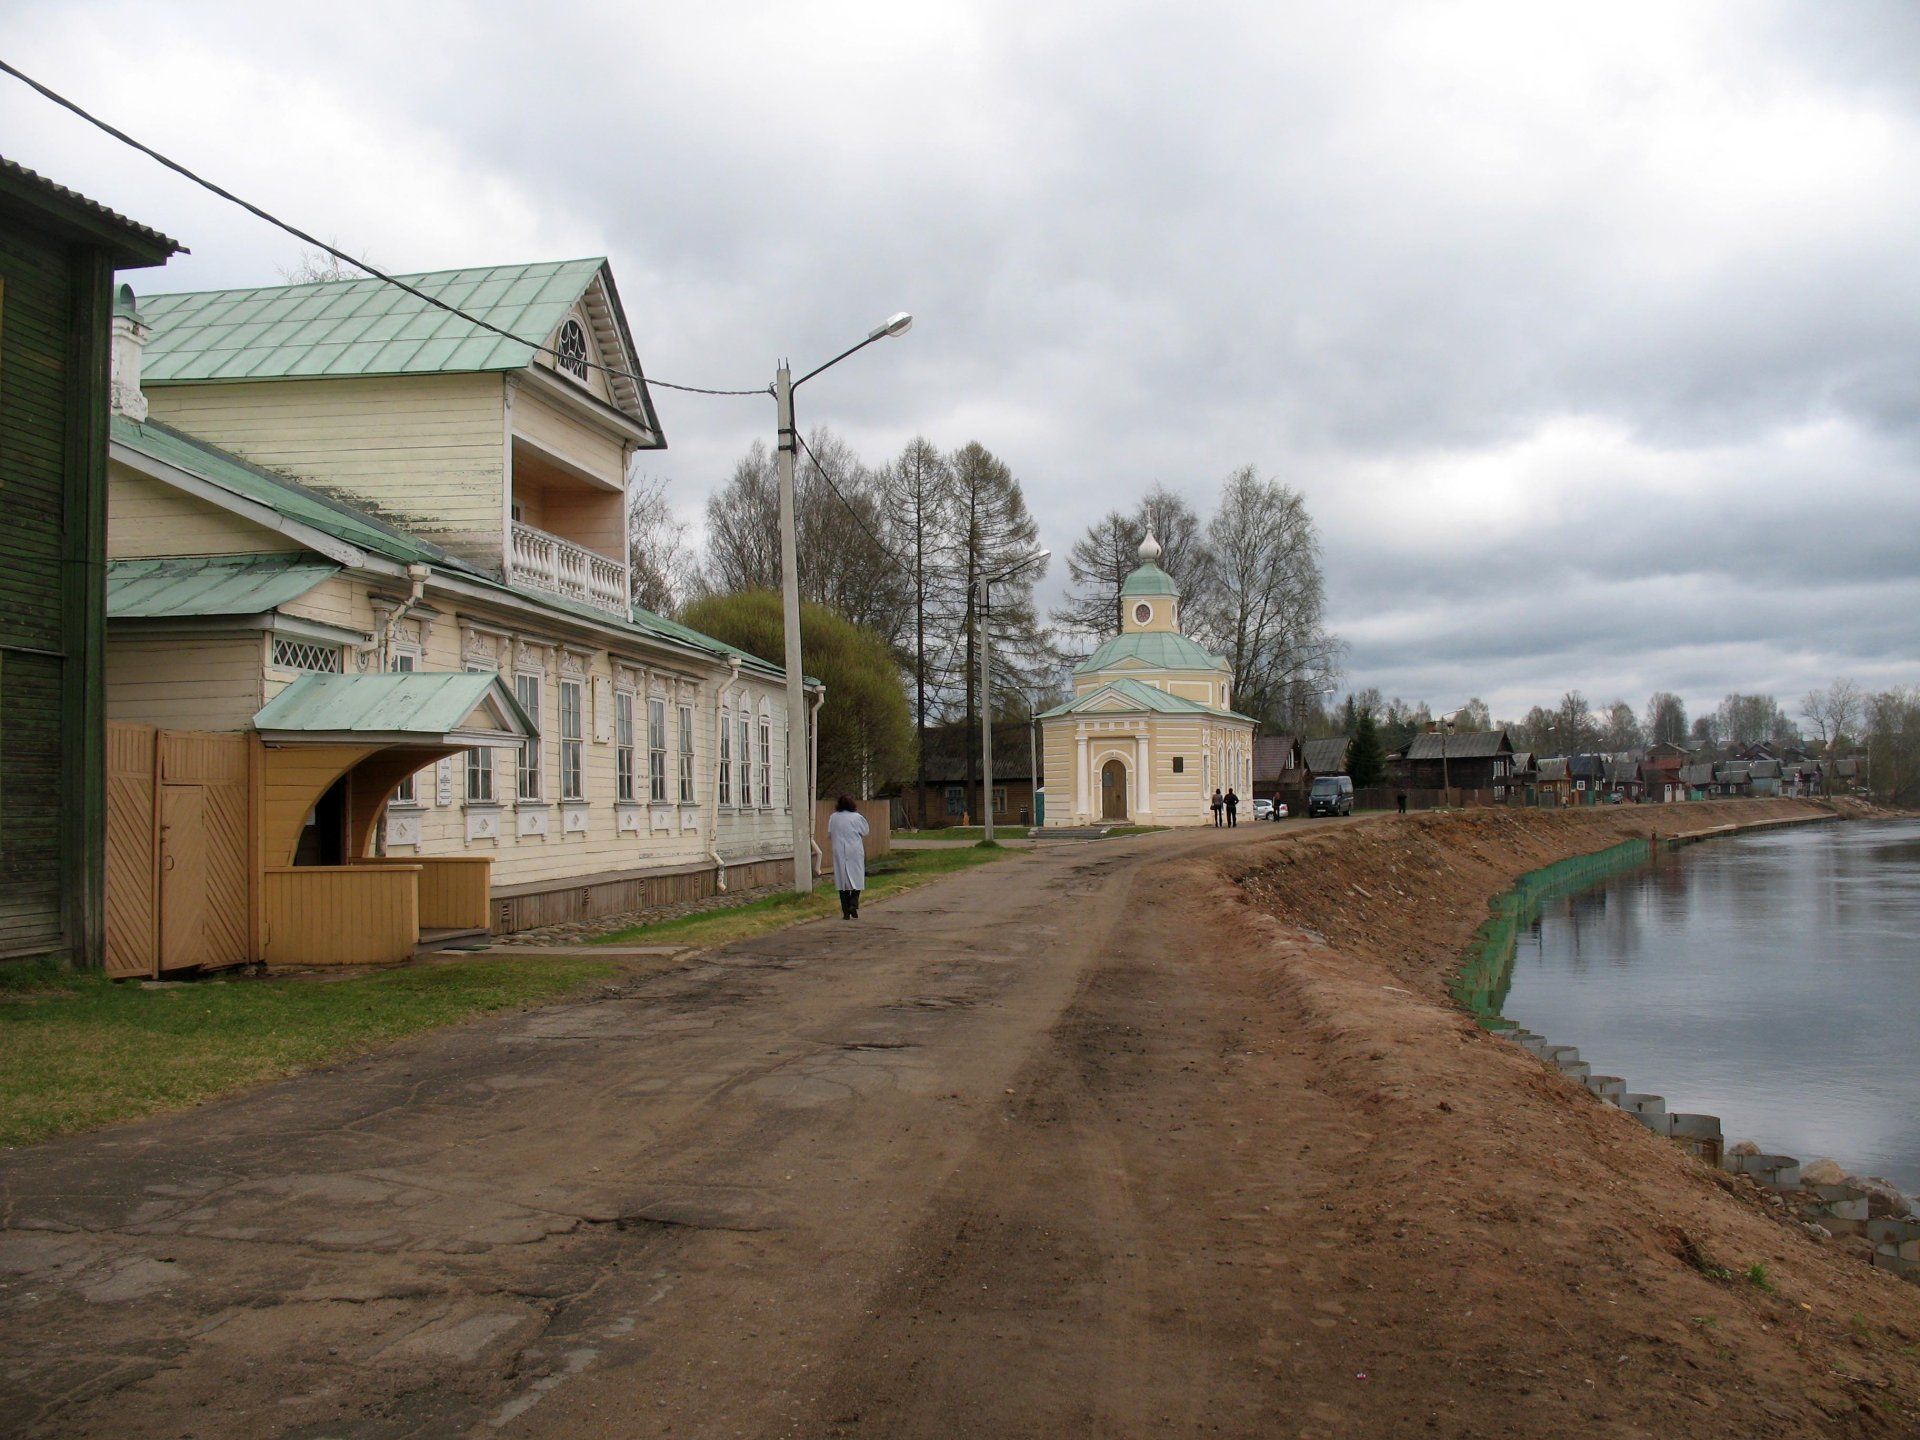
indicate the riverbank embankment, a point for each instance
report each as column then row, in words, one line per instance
column 1590, row 1273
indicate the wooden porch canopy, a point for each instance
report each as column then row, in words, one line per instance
column 376, row 729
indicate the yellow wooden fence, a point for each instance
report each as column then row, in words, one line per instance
column 363, row 914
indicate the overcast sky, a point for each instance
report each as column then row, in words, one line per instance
column 1592, row 334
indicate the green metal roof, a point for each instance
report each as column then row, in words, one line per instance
column 1162, row 649
column 210, row 584
column 420, row 703
column 360, row 327
column 286, row 497
column 342, row 521
column 1149, row 579
column 1140, row 697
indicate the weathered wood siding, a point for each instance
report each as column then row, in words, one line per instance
column 54, row 317
column 181, row 683
column 454, row 890
column 146, row 517
column 425, row 452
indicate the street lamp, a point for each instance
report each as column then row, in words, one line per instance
column 783, row 388
column 986, row 687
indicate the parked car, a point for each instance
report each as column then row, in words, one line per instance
column 1330, row 795
column 1262, row 809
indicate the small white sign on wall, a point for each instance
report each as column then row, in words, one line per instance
column 443, row 782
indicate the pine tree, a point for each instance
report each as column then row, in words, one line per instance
column 1366, row 760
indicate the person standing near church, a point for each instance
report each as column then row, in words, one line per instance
column 1233, row 808
column 1218, row 805
column 847, row 838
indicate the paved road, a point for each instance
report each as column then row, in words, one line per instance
column 727, row 1200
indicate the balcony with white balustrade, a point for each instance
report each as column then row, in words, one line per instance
column 537, row 560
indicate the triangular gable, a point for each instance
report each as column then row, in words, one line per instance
column 618, row 381
column 419, row 707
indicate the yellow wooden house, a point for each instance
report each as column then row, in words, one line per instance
column 1150, row 732
column 367, row 566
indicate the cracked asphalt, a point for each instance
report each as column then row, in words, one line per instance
column 678, row 1206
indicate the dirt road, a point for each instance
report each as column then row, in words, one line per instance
column 1083, row 1143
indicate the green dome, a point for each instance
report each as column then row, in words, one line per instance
column 1149, row 579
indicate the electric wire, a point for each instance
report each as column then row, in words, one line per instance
column 858, row 518
column 337, row 253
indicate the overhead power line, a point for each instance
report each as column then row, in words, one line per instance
column 858, row 518
column 337, row 253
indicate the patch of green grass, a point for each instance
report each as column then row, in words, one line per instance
column 1137, row 829
column 1756, row 1274
column 78, row 1050
column 889, row 875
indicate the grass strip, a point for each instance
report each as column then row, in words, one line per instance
column 78, row 1050
column 888, row 875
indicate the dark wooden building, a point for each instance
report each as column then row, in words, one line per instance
column 949, row 800
column 58, row 254
column 1463, row 759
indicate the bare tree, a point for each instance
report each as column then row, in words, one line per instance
column 840, row 525
column 1621, row 729
column 1834, row 712
column 1750, row 719
column 660, row 564
column 1666, row 722
column 917, row 491
column 1265, row 608
column 1097, row 566
column 1101, row 560
column 316, row 267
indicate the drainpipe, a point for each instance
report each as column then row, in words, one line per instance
column 713, row 826
column 813, row 772
column 383, row 635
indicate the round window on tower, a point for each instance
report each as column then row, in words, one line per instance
column 1142, row 613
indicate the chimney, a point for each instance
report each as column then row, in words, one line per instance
column 129, row 339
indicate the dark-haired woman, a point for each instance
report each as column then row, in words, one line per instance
column 847, row 838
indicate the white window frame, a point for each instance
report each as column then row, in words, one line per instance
column 766, row 762
column 724, row 765
column 290, row 653
column 623, row 773
column 579, row 377
column 656, row 749
column 573, row 775
column 407, row 792
column 526, row 689
column 686, row 754
column 480, row 764
column 745, row 760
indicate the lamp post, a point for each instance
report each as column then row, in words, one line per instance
column 986, row 689
column 783, row 387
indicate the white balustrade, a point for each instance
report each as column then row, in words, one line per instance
column 560, row 567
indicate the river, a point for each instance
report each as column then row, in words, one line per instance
column 1772, row 980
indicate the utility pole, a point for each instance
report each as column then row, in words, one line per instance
column 986, row 719
column 798, row 803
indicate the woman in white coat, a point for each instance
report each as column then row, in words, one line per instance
column 847, row 837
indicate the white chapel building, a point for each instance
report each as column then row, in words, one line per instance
column 1150, row 732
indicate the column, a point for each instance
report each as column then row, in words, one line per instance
column 1143, row 763
column 1080, row 802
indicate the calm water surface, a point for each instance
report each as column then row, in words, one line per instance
column 1773, row 981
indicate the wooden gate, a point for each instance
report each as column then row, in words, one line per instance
column 179, row 850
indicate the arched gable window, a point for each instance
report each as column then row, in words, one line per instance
column 572, row 350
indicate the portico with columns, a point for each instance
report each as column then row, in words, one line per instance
column 1150, row 732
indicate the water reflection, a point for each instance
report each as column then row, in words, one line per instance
column 1771, row 980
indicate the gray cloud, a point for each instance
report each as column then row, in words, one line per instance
column 1596, row 328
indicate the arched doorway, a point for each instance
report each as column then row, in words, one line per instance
column 1113, row 790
